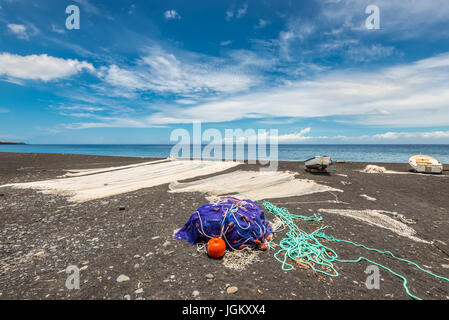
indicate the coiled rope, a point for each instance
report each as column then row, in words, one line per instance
column 306, row 248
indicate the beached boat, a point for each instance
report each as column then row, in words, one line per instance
column 318, row 163
column 425, row 164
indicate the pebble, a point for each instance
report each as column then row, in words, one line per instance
column 210, row 276
column 122, row 278
column 232, row 290
column 196, row 293
column 127, row 297
column 166, row 244
column 138, row 291
column 122, row 208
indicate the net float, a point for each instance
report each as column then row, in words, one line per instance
column 216, row 248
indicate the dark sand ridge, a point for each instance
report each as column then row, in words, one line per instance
column 41, row 234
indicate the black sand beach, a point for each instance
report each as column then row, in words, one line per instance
column 132, row 234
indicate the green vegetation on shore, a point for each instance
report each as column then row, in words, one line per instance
column 10, row 142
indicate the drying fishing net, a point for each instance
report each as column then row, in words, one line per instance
column 241, row 223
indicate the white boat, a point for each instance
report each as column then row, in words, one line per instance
column 318, row 163
column 425, row 164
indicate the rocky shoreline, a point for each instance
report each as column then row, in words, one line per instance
column 12, row 142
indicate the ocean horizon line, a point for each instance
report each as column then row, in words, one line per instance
column 386, row 153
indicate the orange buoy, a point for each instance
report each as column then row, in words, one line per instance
column 216, row 248
column 263, row 247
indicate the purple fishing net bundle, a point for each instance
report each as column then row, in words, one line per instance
column 241, row 223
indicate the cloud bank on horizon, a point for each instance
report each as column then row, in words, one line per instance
column 135, row 71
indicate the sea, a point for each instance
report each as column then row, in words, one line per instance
column 298, row 152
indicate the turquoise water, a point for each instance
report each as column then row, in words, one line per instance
column 361, row 153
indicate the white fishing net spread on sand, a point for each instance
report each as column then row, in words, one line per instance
column 238, row 260
column 374, row 169
column 380, row 219
column 85, row 185
column 377, row 169
column 276, row 224
column 252, row 185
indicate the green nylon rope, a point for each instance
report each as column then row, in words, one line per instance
column 306, row 248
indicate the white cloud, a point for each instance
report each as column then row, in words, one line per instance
column 388, row 137
column 132, row 8
column 56, row 29
column 402, row 19
column 297, row 31
column 239, row 13
column 185, row 101
column 242, row 11
column 283, row 138
column 412, row 135
column 261, row 24
column 416, row 95
column 225, row 43
column 163, row 72
column 89, row 7
column 373, row 52
column 3, row 110
column 40, row 67
column 356, row 51
column 229, row 15
column 19, row 30
column 171, row 14
column 295, row 137
column 80, row 108
column 108, row 122
column 24, row 32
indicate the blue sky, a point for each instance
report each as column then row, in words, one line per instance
column 137, row 70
